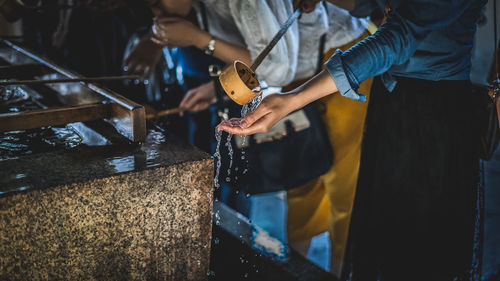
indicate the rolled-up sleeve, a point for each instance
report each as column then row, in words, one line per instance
column 347, row 86
column 394, row 43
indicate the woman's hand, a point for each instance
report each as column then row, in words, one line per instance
column 275, row 107
column 179, row 32
column 143, row 58
column 199, row 98
column 272, row 109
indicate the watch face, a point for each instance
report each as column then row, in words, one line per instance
column 209, row 49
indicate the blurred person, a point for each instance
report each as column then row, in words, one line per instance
column 232, row 33
column 325, row 204
column 310, row 206
column 239, row 30
column 228, row 31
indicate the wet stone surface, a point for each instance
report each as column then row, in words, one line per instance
column 107, row 210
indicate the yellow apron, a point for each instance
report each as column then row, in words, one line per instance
column 326, row 203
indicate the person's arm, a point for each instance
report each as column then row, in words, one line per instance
column 395, row 42
column 143, row 58
column 276, row 106
column 257, row 23
column 178, row 32
column 199, row 98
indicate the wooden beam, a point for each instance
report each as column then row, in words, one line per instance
column 53, row 116
column 124, row 111
column 23, row 71
column 67, row 80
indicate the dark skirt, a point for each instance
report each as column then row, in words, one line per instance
column 415, row 206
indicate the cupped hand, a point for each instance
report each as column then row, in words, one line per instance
column 272, row 109
column 178, row 32
column 143, row 58
column 199, row 98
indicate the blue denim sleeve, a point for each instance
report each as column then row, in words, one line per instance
column 394, row 43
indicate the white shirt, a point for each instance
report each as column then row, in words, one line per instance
column 340, row 28
column 253, row 23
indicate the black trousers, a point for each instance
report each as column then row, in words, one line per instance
column 415, row 206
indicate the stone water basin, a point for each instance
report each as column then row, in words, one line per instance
column 104, row 208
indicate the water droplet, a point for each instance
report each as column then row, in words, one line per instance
column 229, row 152
column 218, row 137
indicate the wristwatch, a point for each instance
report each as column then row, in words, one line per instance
column 210, row 48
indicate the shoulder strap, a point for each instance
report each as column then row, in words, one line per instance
column 321, row 55
column 321, row 49
column 203, row 13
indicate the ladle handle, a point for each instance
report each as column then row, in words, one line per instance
column 67, row 80
column 275, row 40
column 165, row 112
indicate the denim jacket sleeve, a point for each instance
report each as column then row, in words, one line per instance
column 394, row 42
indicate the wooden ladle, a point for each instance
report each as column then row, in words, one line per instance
column 239, row 81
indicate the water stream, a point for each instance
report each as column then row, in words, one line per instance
column 230, row 153
column 218, row 137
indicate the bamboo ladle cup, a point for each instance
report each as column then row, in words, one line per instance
column 239, row 81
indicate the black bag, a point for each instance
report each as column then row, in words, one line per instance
column 286, row 158
column 295, row 151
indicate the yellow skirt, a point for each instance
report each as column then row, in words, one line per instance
column 326, row 203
